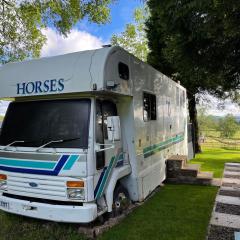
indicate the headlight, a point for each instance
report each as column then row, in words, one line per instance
column 76, row 193
column 3, row 182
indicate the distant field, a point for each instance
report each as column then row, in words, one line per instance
column 213, row 140
column 214, row 133
column 1, row 118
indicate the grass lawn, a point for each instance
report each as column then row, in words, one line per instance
column 214, row 160
column 176, row 212
column 13, row 227
column 1, row 118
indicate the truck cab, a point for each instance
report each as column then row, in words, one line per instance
column 56, row 157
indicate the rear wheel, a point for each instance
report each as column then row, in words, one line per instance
column 121, row 200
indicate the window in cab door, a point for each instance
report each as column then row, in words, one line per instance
column 104, row 109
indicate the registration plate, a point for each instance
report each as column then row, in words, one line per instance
column 4, row 204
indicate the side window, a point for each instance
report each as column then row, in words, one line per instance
column 123, row 71
column 99, row 123
column 182, row 99
column 109, row 109
column 149, row 107
column 100, row 156
column 104, row 109
column 177, row 97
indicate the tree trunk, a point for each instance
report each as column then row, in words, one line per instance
column 193, row 119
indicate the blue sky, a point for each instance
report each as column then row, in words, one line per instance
column 86, row 35
column 121, row 14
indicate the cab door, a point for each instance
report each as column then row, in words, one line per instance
column 106, row 149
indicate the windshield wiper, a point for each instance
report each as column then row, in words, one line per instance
column 44, row 145
column 56, row 141
column 10, row 144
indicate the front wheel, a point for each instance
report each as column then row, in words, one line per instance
column 121, row 200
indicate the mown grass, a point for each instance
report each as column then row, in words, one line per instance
column 214, row 160
column 13, row 227
column 176, row 212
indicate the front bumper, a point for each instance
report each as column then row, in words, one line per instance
column 58, row 213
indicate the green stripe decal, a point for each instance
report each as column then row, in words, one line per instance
column 105, row 177
column 151, row 150
column 70, row 162
column 27, row 164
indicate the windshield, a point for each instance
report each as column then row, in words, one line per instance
column 40, row 122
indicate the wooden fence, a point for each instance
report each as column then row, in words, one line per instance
column 213, row 139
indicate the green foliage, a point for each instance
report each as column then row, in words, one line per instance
column 228, row 126
column 21, row 23
column 133, row 39
column 19, row 35
column 205, row 121
column 197, row 43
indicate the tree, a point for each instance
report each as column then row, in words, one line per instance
column 196, row 42
column 21, row 23
column 205, row 121
column 134, row 39
column 228, row 126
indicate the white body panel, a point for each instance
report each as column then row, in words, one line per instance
column 58, row 213
column 144, row 146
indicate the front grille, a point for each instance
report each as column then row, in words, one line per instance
column 38, row 200
column 43, row 187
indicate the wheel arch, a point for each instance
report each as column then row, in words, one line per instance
column 115, row 180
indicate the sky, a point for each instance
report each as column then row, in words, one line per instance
column 216, row 107
column 86, row 35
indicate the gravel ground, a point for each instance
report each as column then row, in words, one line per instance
column 229, row 193
column 224, row 184
column 231, row 170
column 228, row 208
column 232, row 176
column 233, row 166
column 221, row 233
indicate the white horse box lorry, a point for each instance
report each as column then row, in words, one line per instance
column 87, row 133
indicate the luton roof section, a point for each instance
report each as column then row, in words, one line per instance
column 94, row 70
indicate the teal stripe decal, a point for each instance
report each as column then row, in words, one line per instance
column 70, row 162
column 27, row 164
column 151, row 150
column 106, row 176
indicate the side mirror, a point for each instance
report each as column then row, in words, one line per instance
column 113, row 128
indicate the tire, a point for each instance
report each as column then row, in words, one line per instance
column 121, row 200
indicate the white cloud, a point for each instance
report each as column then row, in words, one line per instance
column 75, row 41
column 218, row 107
